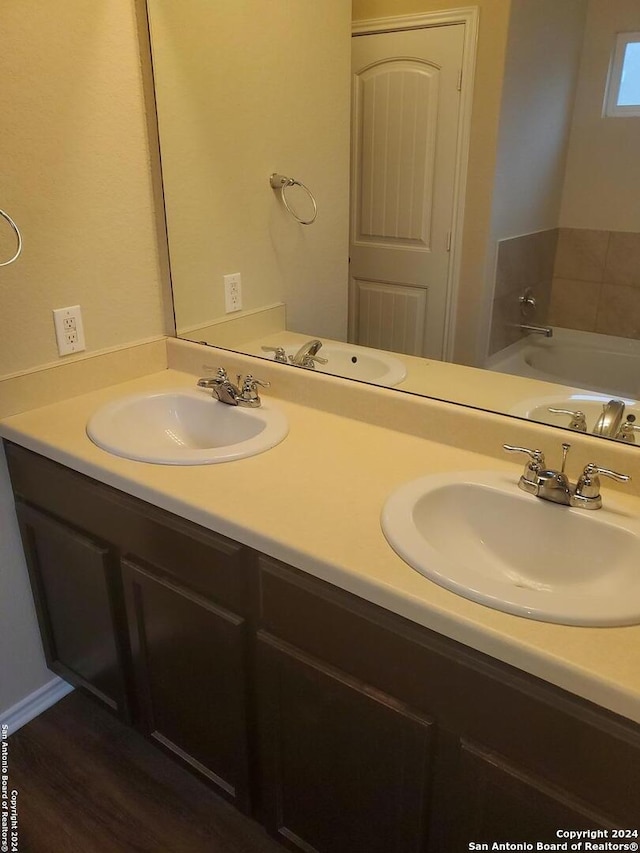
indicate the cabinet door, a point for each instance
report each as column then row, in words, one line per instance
column 500, row 802
column 75, row 586
column 345, row 767
column 189, row 664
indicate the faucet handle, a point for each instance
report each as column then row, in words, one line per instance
column 578, row 419
column 250, row 383
column 309, row 361
column 626, row 431
column 248, row 395
column 587, row 493
column 279, row 353
column 213, row 381
column 536, row 464
column 537, row 456
column 316, row 359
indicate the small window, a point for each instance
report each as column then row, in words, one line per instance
column 623, row 88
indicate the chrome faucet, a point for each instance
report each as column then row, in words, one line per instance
column 528, row 305
column 551, row 485
column 609, row 424
column 234, row 395
column 578, row 419
column 547, row 331
column 278, row 353
column 628, row 430
column 307, row 355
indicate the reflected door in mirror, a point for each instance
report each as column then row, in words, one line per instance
column 405, row 120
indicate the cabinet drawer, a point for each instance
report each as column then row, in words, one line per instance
column 204, row 561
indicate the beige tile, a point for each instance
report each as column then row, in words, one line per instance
column 546, row 245
column 619, row 311
column 542, row 292
column 623, row 259
column 574, row 304
column 581, row 254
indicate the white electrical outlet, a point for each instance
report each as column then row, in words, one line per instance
column 232, row 292
column 69, row 330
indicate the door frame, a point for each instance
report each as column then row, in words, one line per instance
column 469, row 17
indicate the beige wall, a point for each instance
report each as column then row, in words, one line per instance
column 244, row 90
column 75, row 176
column 602, row 184
column 492, row 42
column 540, row 79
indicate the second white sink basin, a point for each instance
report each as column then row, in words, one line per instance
column 478, row 535
column 358, row 362
column 184, row 427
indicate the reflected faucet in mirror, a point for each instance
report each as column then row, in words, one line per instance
column 305, row 356
column 609, row 424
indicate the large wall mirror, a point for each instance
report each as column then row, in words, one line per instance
column 439, row 203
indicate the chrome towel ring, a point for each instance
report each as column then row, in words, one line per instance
column 281, row 182
column 18, row 237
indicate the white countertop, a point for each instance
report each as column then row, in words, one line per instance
column 314, row 501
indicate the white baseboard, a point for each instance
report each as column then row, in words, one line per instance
column 34, row 704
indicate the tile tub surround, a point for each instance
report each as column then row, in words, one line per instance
column 522, row 262
column 596, row 282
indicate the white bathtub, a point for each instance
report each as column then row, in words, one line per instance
column 580, row 359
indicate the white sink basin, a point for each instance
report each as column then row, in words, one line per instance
column 184, row 427
column 537, row 408
column 478, row 535
column 354, row 362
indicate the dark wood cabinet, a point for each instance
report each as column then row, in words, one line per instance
column 509, row 757
column 75, row 583
column 345, row 767
column 339, row 725
column 189, row 664
column 504, row 802
column 145, row 611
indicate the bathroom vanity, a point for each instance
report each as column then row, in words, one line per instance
column 338, row 723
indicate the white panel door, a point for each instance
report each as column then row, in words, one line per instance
column 406, row 106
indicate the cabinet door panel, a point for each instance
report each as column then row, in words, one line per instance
column 346, row 768
column 503, row 803
column 74, row 584
column 189, row 660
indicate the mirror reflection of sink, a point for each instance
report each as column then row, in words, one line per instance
column 354, row 362
column 537, row 408
column 184, row 427
column 478, row 535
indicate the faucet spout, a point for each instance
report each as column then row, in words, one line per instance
column 307, row 355
column 547, row 331
column 608, row 424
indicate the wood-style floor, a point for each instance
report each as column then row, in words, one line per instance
column 88, row 784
